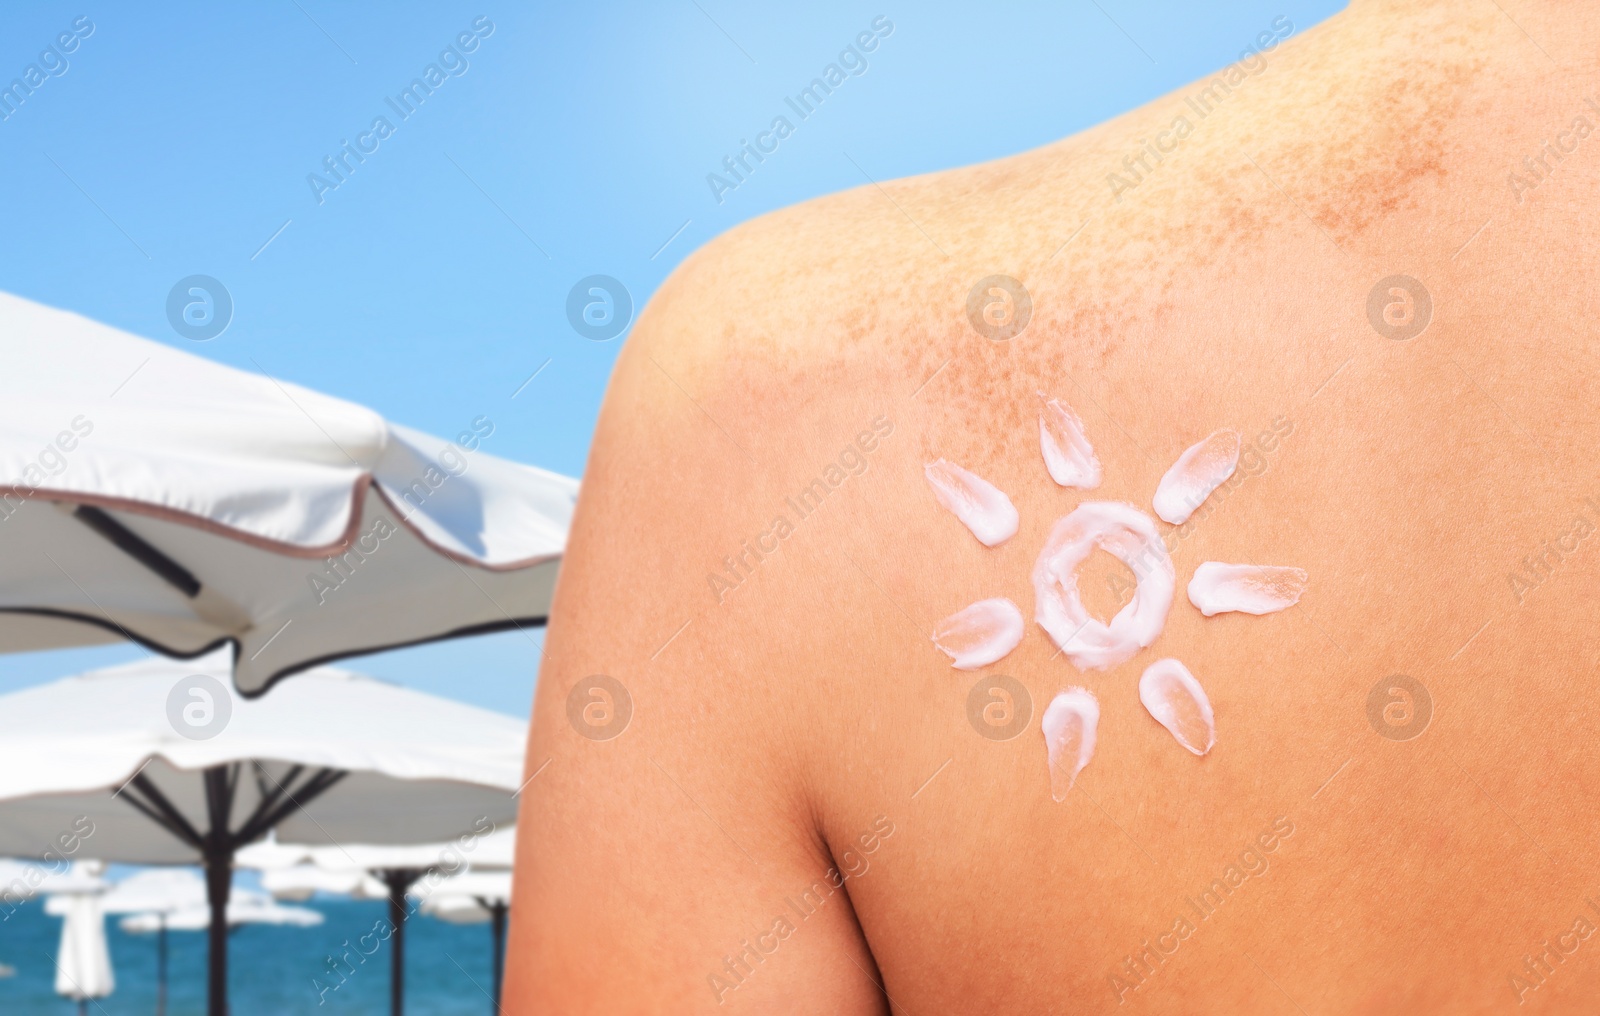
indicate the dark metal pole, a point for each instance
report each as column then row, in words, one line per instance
column 397, row 880
column 497, row 927
column 397, row 958
column 161, row 967
column 219, row 879
column 138, row 548
column 216, row 847
column 218, row 860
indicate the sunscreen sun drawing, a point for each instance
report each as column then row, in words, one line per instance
column 985, row 632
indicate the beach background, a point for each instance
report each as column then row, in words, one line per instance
column 274, row 969
column 432, row 283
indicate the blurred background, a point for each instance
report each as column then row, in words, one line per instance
column 430, row 280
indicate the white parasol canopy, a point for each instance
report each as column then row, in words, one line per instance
column 80, row 877
column 487, row 846
column 21, row 881
column 143, row 774
column 245, row 907
column 420, row 767
column 302, row 881
column 156, row 890
column 467, row 898
column 287, row 874
column 456, row 910
column 269, row 855
column 151, row 495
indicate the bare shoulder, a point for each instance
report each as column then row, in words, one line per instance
column 740, row 683
column 682, row 714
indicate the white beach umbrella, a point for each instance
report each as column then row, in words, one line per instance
column 407, row 869
column 329, row 757
column 489, row 846
column 245, row 907
column 83, row 959
column 152, row 495
column 482, row 890
column 286, row 873
column 269, row 855
column 80, row 877
column 456, row 910
column 21, row 881
column 156, row 890
column 497, row 851
column 302, row 881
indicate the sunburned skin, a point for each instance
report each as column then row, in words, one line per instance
column 980, row 505
column 1066, row 449
column 1202, row 468
column 981, row 634
column 1129, row 535
column 1177, row 701
column 1069, row 731
column 1230, row 286
column 1248, row 588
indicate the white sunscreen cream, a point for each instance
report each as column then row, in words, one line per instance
column 1178, row 703
column 1066, row 449
column 1129, row 535
column 980, row 505
column 980, row 634
column 1249, row 588
column 1069, row 726
column 1201, row 469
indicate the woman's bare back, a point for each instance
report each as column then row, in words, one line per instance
column 758, row 784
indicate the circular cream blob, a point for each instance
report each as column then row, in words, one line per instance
column 1128, row 534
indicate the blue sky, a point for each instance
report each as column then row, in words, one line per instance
column 575, row 140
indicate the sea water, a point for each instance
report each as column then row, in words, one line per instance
column 272, row 968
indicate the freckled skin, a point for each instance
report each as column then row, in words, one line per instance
column 782, row 715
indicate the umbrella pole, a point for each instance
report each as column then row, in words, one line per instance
column 397, row 879
column 219, row 879
column 217, row 845
column 161, row 967
column 497, row 928
column 218, row 857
